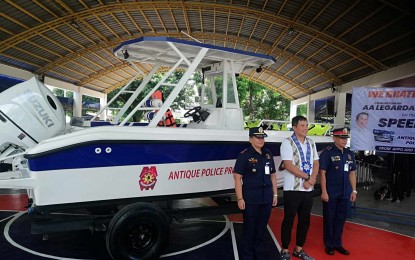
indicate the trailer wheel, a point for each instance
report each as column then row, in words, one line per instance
column 138, row 231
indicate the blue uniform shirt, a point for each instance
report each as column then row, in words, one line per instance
column 332, row 160
column 256, row 185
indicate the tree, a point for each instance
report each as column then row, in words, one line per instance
column 256, row 101
column 302, row 110
column 58, row 92
column 180, row 101
column 69, row 94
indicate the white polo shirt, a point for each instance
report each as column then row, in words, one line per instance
column 362, row 139
column 287, row 153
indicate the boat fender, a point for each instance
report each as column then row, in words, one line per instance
column 153, row 103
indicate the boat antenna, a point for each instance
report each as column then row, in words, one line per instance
column 193, row 38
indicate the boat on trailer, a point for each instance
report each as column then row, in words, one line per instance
column 127, row 167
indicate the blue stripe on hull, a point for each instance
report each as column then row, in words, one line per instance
column 144, row 153
column 140, row 153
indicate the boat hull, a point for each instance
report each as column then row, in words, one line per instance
column 118, row 163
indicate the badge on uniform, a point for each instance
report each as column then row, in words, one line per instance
column 346, row 167
column 335, row 158
column 253, row 160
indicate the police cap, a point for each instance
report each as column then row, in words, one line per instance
column 343, row 132
column 257, row 131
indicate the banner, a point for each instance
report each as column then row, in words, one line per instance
column 383, row 119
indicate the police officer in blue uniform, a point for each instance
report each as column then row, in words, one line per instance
column 256, row 191
column 338, row 184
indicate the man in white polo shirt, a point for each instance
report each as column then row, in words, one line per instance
column 300, row 158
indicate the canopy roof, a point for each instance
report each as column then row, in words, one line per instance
column 154, row 50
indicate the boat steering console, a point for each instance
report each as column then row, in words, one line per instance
column 198, row 114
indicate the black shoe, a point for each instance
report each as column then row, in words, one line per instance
column 329, row 251
column 302, row 254
column 341, row 250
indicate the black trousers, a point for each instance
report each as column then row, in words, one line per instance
column 296, row 202
column 256, row 218
column 334, row 217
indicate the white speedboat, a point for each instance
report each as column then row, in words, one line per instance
column 118, row 163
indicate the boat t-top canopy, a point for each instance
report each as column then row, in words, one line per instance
column 155, row 50
column 190, row 56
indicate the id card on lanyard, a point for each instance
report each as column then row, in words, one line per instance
column 267, row 168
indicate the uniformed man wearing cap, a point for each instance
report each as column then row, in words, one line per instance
column 256, row 191
column 338, row 184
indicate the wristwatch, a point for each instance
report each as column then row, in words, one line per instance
column 308, row 178
column 355, row 191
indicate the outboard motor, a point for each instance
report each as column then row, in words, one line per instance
column 29, row 113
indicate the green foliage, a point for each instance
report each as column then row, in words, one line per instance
column 69, row 94
column 302, row 110
column 179, row 102
column 58, row 92
column 123, row 98
column 256, row 101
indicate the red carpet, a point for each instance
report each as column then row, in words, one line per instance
column 16, row 202
column 363, row 242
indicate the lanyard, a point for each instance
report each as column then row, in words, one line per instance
column 305, row 161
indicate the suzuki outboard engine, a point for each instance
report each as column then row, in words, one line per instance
column 29, row 113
